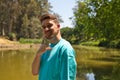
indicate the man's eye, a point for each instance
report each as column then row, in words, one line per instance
column 43, row 27
column 49, row 25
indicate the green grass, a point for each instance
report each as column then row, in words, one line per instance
column 104, row 43
column 104, row 62
column 30, row 41
column 90, row 43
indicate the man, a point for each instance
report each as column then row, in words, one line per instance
column 55, row 61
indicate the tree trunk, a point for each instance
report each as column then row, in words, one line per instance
column 3, row 31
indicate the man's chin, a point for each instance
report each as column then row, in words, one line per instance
column 48, row 38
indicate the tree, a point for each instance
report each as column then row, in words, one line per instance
column 98, row 19
column 67, row 33
column 20, row 17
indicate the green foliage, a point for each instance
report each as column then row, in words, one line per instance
column 30, row 41
column 12, row 36
column 21, row 17
column 90, row 43
column 111, row 44
column 31, row 28
column 68, row 34
column 97, row 19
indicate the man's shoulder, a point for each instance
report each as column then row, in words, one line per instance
column 67, row 48
column 65, row 44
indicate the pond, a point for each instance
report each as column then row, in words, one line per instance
column 16, row 64
column 104, row 63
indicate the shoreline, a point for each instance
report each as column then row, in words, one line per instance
column 18, row 46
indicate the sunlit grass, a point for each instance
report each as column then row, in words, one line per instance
column 30, row 41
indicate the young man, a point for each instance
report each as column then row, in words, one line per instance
column 55, row 61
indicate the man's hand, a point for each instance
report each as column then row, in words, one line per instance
column 36, row 62
column 44, row 46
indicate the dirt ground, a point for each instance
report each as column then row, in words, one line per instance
column 6, row 41
column 6, row 44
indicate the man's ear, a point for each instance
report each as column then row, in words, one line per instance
column 58, row 25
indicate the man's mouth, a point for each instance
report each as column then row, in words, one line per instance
column 48, row 33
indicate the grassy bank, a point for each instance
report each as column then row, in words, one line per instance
column 30, row 41
column 6, row 44
column 102, row 43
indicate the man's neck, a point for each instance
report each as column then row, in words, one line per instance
column 55, row 40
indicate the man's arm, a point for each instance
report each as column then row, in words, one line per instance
column 36, row 64
column 36, row 61
column 68, row 67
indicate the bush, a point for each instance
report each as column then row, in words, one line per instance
column 114, row 44
column 22, row 40
column 104, row 43
column 111, row 44
column 90, row 43
column 12, row 36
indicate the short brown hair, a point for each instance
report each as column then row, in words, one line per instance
column 49, row 16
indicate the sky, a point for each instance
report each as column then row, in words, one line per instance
column 64, row 9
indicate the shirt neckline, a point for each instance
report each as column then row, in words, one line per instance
column 53, row 44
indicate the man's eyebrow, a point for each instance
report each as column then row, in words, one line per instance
column 47, row 24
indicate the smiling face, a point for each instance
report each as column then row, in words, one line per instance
column 50, row 28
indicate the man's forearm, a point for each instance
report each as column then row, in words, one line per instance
column 36, row 61
column 36, row 64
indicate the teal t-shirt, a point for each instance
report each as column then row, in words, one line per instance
column 58, row 63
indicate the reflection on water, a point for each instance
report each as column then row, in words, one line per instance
column 104, row 62
column 90, row 76
column 16, row 65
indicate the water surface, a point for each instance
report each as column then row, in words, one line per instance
column 16, row 64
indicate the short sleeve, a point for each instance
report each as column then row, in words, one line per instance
column 68, row 65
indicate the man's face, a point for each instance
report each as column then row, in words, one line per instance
column 50, row 28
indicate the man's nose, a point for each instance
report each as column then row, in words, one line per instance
column 46, row 28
